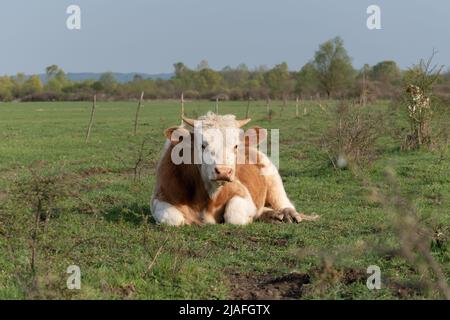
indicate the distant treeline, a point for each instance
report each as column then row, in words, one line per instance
column 329, row 74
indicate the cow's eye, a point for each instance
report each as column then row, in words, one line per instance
column 203, row 147
column 235, row 147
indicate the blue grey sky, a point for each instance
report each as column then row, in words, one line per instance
column 150, row 35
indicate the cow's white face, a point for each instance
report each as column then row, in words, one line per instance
column 219, row 149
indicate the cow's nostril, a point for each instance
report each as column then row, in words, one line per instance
column 229, row 172
column 217, row 170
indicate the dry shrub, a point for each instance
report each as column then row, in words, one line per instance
column 419, row 82
column 139, row 156
column 419, row 113
column 351, row 140
column 414, row 239
column 39, row 195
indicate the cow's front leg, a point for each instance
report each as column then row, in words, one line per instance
column 165, row 213
column 290, row 215
column 240, row 210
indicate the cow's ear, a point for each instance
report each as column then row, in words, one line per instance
column 254, row 136
column 176, row 134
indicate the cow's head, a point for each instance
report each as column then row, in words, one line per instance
column 216, row 145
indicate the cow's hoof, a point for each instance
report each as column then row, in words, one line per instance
column 292, row 216
column 287, row 215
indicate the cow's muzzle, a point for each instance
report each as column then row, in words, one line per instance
column 223, row 173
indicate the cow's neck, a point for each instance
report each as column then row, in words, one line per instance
column 212, row 189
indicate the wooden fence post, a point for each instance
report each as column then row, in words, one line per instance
column 88, row 133
column 296, row 107
column 137, row 112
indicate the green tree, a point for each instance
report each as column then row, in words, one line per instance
column 180, row 69
column 50, row 71
column 57, row 81
column 32, row 85
column 108, row 82
column 237, row 77
column 307, row 80
column 97, row 86
column 7, row 87
column 207, row 80
column 21, row 78
column 183, row 79
column 386, row 71
column 278, row 80
column 19, row 82
column 333, row 66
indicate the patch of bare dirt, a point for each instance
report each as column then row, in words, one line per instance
column 125, row 291
column 354, row 275
column 260, row 287
column 406, row 290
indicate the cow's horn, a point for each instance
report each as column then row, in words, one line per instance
column 188, row 121
column 243, row 122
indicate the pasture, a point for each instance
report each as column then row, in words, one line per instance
column 103, row 223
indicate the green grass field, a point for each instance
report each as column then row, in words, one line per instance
column 105, row 227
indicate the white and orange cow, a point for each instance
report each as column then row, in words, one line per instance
column 212, row 172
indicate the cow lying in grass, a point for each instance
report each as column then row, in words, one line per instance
column 200, row 180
